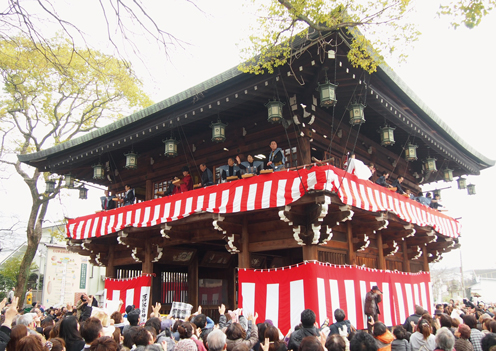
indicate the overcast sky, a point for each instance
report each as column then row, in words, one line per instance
column 452, row 71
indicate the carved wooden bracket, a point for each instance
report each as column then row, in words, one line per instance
column 410, row 230
column 435, row 257
column 228, row 229
column 361, row 242
column 390, row 248
column 233, row 243
column 414, row 252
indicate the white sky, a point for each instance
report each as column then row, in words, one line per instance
column 452, row 71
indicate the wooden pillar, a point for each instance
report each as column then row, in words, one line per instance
column 149, row 190
column 310, row 252
column 193, row 282
column 351, row 249
column 426, row 258
column 110, row 269
column 380, row 249
column 406, row 261
column 147, row 267
column 305, row 151
column 244, row 255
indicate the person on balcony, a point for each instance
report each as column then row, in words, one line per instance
column 277, row 161
column 129, row 196
column 382, row 180
column 230, row 170
column 397, row 184
column 185, row 184
column 435, row 202
column 250, row 166
column 107, row 201
column 207, row 177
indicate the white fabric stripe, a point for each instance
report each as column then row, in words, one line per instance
column 356, row 194
column 272, row 306
column 103, row 225
column 189, row 206
column 281, row 192
column 322, row 300
column 401, row 303
column 156, row 214
column 266, row 194
column 386, row 305
column 363, row 193
column 199, row 203
column 146, row 216
column 71, row 228
column 384, row 200
column 378, row 200
column 311, row 180
column 296, row 301
column 177, row 209
column 252, row 194
column 211, row 202
column 238, row 195
column 349, row 287
column 248, row 293
column 333, row 284
column 363, row 293
column 116, row 295
column 423, row 295
column 416, row 297
column 79, row 230
column 295, row 189
column 404, row 213
column 95, row 226
column 111, row 224
column 137, row 215
column 345, row 187
column 166, row 215
column 223, row 201
column 87, row 228
column 373, row 203
column 129, row 297
column 431, row 304
column 409, row 299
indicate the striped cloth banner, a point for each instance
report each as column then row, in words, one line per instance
column 132, row 291
column 282, row 294
column 260, row 192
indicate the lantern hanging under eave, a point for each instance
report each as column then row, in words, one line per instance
column 471, row 189
column 430, row 164
column 218, row 131
column 462, row 183
column 98, row 171
column 69, row 181
column 83, row 193
column 170, row 147
column 131, row 160
column 274, row 110
column 387, row 135
column 448, row 175
column 49, row 186
column 327, row 92
column 411, row 152
column 357, row 116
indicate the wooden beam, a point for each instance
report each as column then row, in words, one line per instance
column 273, row 245
column 425, row 258
column 310, row 252
column 349, row 239
column 244, row 255
column 193, row 282
column 406, row 261
column 110, row 269
column 381, row 263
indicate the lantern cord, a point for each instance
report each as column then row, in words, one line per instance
column 399, row 156
column 115, row 165
column 189, row 148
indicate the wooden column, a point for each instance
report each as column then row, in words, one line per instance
column 110, row 269
column 310, row 252
column 426, row 258
column 406, row 261
column 351, row 249
column 193, row 282
column 305, row 151
column 381, row 264
column 147, row 267
column 244, row 255
column 149, row 190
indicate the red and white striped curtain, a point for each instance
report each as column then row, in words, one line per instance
column 132, row 291
column 282, row 294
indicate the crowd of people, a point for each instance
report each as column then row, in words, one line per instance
column 452, row 327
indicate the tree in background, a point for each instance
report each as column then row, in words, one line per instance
column 10, row 272
column 45, row 104
column 467, row 12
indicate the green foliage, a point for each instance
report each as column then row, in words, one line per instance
column 467, row 12
column 10, row 271
column 373, row 27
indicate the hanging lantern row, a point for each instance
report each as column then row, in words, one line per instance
column 387, row 135
column 98, row 171
column 49, row 186
column 462, row 183
column 357, row 115
column 430, row 164
column 274, row 109
column 411, row 152
column 448, row 175
column 327, row 92
column 471, row 189
column 69, row 181
column 170, row 147
column 83, row 193
column 218, row 131
column 131, row 160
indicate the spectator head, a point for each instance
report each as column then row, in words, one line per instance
column 262, row 327
column 69, row 330
column 185, row 330
column 133, row 318
column 240, row 347
column 339, row 315
column 154, row 323
column 445, row 320
column 47, row 321
column 105, row 343
column 17, row 333
column 46, row 331
column 470, row 320
column 117, row 317
column 379, row 329
column 335, row 342
column 492, row 327
column 186, row 345
column 307, row 318
column 235, row 331
column 488, row 342
column 424, row 328
column 56, row 344
column 143, row 337
column 55, row 330
column 200, row 321
column 363, row 341
column 310, row 343
column 419, row 310
column 216, row 340
column 91, row 329
column 129, row 336
column 30, row 343
column 129, row 308
column 445, row 339
column 400, row 333
column 463, row 332
column 177, row 323
column 27, row 319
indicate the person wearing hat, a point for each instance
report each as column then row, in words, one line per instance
column 372, row 300
column 186, row 184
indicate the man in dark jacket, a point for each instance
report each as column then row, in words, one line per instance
column 372, row 300
column 340, row 323
column 419, row 311
column 307, row 329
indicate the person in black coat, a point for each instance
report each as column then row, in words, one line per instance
column 307, row 329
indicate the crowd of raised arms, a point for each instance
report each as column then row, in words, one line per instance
column 460, row 326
